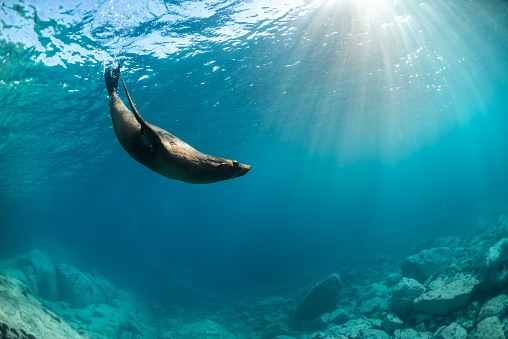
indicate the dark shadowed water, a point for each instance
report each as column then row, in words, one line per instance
column 370, row 127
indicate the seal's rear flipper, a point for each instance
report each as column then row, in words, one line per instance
column 112, row 75
column 146, row 130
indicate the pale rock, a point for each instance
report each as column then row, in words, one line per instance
column 496, row 272
column 447, row 298
column 353, row 328
column 453, row 331
column 372, row 291
column 374, row 306
column 374, row 334
column 489, row 328
column 496, row 306
column 23, row 313
column 410, row 333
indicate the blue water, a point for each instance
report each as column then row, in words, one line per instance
column 370, row 126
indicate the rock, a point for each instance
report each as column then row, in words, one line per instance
column 44, row 274
column 426, row 263
column 496, row 272
column 352, row 328
column 496, row 306
column 103, row 284
column 320, row 322
column 465, row 323
column 23, row 316
column 453, row 331
column 489, row 328
column 374, row 334
column 447, row 298
column 420, row 327
column 275, row 330
column 401, row 301
column 372, row 291
column 332, row 332
column 204, row 329
column 410, row 333
column 391, row 322
column 393, row 279
column 374, row 306
column 338, row 317
column 78, row 289
column 321, row 299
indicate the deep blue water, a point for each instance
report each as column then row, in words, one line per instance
column 371, row 126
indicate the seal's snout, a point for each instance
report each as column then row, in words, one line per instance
column 242, row 169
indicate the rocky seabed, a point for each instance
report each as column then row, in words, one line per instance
column 455, row 289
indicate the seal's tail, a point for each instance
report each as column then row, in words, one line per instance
column 112, row 75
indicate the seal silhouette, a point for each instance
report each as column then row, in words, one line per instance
column 158, row 149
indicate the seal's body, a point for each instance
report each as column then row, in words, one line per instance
column 159, row 150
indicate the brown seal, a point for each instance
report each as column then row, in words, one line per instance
column 159, row 150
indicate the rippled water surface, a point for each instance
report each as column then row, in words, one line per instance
column 365, row 122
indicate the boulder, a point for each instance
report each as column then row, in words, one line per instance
column 321, row 298
column 496, row 306
column 448, row 298
column 426, row 263
column 374, row 306
column 410, row 333
column 77, row 288
column 496, row 272
column 489, row 328
column 453, row 331
column 391, row 322
column 401, row 301
column 41, row 271
column 23, row 316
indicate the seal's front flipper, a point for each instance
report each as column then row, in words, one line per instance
column 112, row 75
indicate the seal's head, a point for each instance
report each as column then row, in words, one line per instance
column 233, row 169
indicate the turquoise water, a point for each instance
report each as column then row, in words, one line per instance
column 369, row 125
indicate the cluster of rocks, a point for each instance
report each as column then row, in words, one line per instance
column 39, row 299
column 455, row 289
column 63, row 302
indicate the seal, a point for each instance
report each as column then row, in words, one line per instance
column 158, row 149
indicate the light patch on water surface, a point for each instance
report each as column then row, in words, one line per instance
column 399, row 74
